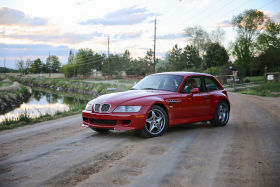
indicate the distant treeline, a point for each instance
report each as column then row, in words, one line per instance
column 52, row 65
column 7, row 70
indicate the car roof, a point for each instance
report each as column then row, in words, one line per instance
column 186, row 74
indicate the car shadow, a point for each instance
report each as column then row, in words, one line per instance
column 136, row 135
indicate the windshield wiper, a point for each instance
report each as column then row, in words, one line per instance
column 132, row 89
column 149, row 89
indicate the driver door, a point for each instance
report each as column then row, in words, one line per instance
column 194, row 105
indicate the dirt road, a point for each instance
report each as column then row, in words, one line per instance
column 61, row 153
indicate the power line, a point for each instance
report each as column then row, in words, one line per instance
column 90, row 61
column 109, row 53
column 206, row 13
column 155, row 45
column 238, row 8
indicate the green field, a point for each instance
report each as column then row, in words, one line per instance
column 255, row 79
column 263, row 89
column 2, row 84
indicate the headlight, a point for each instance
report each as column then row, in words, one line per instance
column 127, row 109
column 89, row 107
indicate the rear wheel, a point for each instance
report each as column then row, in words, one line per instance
column 99, row 130
column 221, row 115
column 156, row 122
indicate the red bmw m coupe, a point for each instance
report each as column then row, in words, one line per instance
column 158, row 101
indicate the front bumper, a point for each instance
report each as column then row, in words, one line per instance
column 115, row 121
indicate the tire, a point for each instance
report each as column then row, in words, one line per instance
column 156, row 122
column 221, row 116
column 100, row 130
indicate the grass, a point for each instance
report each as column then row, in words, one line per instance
column 129, row 81
column 2, row 84
column 24, row 119
column 255, row 79
column 64, row 83
column 264, row 89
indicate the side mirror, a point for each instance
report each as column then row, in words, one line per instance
column 194, row 91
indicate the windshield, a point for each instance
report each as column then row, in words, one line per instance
column 160, row 82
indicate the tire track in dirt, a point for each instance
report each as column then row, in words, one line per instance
column 252, row 158
column 82, row 171
column 134, row 165
column 198, row 163
column 36, row 135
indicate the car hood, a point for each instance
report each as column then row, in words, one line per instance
column 121, row 97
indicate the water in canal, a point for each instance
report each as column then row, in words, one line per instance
column 44, row 102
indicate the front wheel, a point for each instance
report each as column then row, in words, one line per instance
column 221, row 116
column 156, row 122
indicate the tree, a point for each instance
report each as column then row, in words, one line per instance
column 136, row 67
column 20, row 66
column 85, row 61
column 248, row 25
column 270, row 38
column 174, row 59
column 149, row 61
column 126, row 59
column 67, row 70
column 216, row 55
column 44, row 68
column 48, row 66
column 71, row 56
column 114, row 66
column 199, row 38
column 269, row 48
column 28, row 65
column 36, row 66
column 190, row 58
column 53, row 64
column 217, row 36
column 269, row 58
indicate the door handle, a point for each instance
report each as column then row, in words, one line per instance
column 205, row 97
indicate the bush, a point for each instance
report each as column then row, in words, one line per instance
column 219, row 70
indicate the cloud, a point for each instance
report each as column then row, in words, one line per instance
column 53, row 37
column 12, row 52
column 10, row 16
column 128, row 35
column 276, row 17
column 19, row 50
column 126, row 16
column 170, row 36
column 223, row 24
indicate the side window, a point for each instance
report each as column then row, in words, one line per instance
column 190, row 83
column 211, row 84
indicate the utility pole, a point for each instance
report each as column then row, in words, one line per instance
column 108, row 54
column 155, row 45
column 49, row 64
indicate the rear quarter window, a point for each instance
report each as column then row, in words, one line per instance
column 211, row 84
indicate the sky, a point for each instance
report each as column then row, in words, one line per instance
column 31, row 29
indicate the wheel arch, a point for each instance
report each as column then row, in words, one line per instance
column 227, row 101
column 162, row 106
column 213, row 110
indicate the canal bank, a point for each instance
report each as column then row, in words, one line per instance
column 65, row 85
column 13, row 96
column 42, row 105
